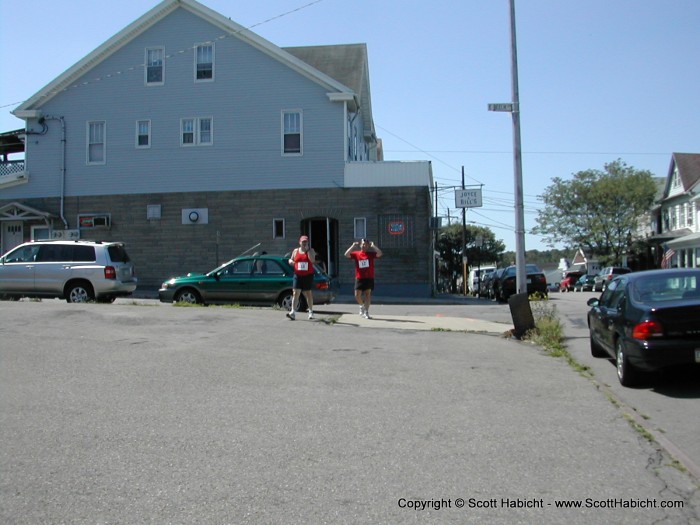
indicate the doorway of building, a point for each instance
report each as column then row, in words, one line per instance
column 323, row 234
column 12, row 235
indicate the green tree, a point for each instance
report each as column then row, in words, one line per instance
column 449, row 246
column 597, row 210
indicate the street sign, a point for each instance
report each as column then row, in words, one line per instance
column 468, row 198
column 505, row 106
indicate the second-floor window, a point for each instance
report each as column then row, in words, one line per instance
column 96, row 142
column 204, row 62
column 691, row 214
column 155, row 66
column 291, row 133
column 196, row 131
column 143, row 133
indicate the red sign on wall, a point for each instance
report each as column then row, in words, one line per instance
column 396, row 228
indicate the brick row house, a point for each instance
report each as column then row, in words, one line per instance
column 193, row 139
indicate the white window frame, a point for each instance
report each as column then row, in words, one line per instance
column 147, row 122
column 201, row 134
column 275, row 222
column 199, row 137
column 691, row 214
column 360, row 227
column 300, row 132
column 197, row 47
column 147, row 65
column 90, row 142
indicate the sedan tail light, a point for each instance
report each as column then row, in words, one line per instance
column 322, row 285
column 110, row 272
column 647, row 330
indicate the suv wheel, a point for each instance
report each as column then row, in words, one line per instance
column 79, row 292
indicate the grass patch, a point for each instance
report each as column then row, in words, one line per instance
column 549, row 332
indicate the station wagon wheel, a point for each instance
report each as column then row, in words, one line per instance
column 188, row 295
column 79, row 292
column 286, row 299
column 626, row 373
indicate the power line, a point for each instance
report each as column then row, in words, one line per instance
column 171, row 55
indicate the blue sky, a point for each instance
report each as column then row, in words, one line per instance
column 599, row 80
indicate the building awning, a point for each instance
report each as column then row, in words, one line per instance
column 11, row 143
column 687, row 241
column 15, row 211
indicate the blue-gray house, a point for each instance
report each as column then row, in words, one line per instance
column 192, row 139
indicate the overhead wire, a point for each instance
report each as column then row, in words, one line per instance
column 172, row 54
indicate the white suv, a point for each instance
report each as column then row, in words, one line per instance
column 77, row 271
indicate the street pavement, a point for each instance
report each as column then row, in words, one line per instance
column 140, row 412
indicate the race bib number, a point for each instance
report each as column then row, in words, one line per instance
column 364, row 263
column 302, row 266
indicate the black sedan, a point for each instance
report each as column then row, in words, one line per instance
column 505, row 285
column 647, row 321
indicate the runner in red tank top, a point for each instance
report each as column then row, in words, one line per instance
column 364, row 272
column 302, row 260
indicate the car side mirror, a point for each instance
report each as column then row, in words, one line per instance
column 593, row 301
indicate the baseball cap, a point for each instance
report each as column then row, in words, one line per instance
column 303, row 238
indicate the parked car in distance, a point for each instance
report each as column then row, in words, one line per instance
column 77, row 271
column 262, row 279
column 585, row 283
column 647, row 321
column 607, row 274
column 484, row 282
column 492, row 281
column 569, row 280
column 506, row 284
column 476, row 275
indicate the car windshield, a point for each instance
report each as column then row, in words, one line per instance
column 529, row 269
column 666, row 288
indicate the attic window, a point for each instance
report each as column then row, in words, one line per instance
column 204, row 62
column 155, row 66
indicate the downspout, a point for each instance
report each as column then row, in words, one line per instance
column 63, row 166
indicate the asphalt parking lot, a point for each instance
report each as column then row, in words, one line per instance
column 138, row 412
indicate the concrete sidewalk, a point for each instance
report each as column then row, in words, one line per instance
column 423, row 322
column 346, row 306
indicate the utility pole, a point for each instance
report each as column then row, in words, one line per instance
column 465, row 273
column 521, row 275
column 514, row 109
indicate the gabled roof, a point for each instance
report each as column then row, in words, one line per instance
column 229, row 29
column 688, row 165
column 348, row 64
column 17, row 211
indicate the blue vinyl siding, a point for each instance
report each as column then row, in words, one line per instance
column 245, row 100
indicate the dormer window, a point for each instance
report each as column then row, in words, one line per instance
column 204, row 62
column 155, row 66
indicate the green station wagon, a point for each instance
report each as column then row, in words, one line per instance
column 264, row 279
